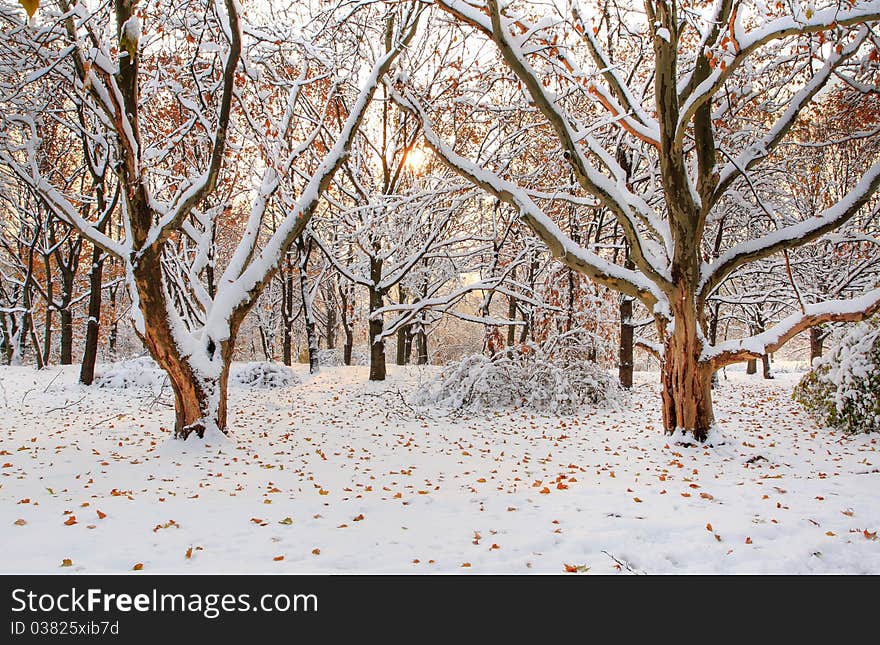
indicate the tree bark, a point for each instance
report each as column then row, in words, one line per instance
column 752, row 366
column 66, row 357
column 377, row 343
column 817, row 339
column 90, row 349
column 765, row 363
column 625, row 363
column 686, row 381
column 199, row 394
column 421, row 338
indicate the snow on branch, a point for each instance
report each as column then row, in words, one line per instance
column 561, row 246
column 791, row 236
column 850, row 310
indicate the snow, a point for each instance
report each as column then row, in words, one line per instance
column 371, row 485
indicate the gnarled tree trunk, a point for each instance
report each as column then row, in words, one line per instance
column 686, row 379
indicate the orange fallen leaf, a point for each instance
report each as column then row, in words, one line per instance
column 101, row 515
column 636, row 499
column 465, row 564
column 189, row 553
column 20, row 522
column 544, row 491
column 570, row 568
column 70, row 521
column 358, row 518
column 278, row 558
column 67, row 562
column 748, row 540
column 138, row 566
column 316, row 551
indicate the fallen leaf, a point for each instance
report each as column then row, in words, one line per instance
column 138, row 566
column 67, row 562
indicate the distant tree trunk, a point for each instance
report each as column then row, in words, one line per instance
column 66, row 357
column 627, row 333
column 330, row 336
column 304, row 247
column 817, row 339
column 404, row 344
column 287, row 310
column 5, row 338
column 113, row 336
column 752, row 366
column 376, row 325
column 90, row 348
column 511, row 315
column 345, row 308
column 421, row 338
column 765, row 360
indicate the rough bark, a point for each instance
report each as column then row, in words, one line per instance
column 752, row 366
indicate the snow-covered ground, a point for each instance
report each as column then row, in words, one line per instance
column 335, row 474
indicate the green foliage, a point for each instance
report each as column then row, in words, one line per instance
column 843, row 388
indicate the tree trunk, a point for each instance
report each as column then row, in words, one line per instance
column 404, row 344
column 686, row 381
column 752, row 366
column 345, row 314
column 817, row 338
column 199, row 394
column 511, row 315
column 304, row 247
column 287, row 310
column 66, row 357
column 765, row 362
column 377, row 343
column 90, row 349
column 625, row 364
column 421, row 337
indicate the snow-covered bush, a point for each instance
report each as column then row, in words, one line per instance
column 554, row 377
column 334, row 357
column 843, row 388
column 135, row 372
column 262, row 374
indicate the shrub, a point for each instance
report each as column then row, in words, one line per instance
column 135, row 372
column 553, row 377
column 263, row 375
column 843, row 388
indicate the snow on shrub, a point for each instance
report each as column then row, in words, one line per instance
column 263, row 375
column 843, row 388
column 135, row 372
column 334, row 357
column 554, row 377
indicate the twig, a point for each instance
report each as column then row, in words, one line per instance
column 624, row 564
column 64, row 407
column 52, row 381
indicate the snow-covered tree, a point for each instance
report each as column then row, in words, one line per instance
column 172, row 89
column 713, row 91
